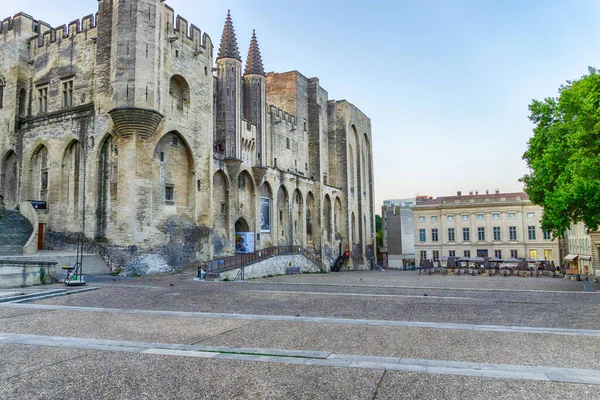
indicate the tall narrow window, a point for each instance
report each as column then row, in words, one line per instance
column 169, row 194
column 512, row 233
column 466, row 236
column 480, row 233
column 434, row 235
column 422, row 237
column 451, row 234
column 496, row 233
column 43, row 100
column 531, row 232
column 1, row 93
column 67, row 88
column 22, row 100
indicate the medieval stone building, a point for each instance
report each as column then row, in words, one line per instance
column 134, row 132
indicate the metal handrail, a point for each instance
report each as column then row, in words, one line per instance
column 241, row 260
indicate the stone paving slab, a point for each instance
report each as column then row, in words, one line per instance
column 128, row 376
column 520, row 309
column 343, row 360
column 439, row 344
column 119, row 327
column 17, row 359
column 408, row 385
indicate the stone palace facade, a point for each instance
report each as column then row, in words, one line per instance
column 133, row 131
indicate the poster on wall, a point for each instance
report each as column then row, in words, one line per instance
column 265, row 214
column 244, row 242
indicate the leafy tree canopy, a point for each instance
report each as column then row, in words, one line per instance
column 378, row 229
column 564, row 155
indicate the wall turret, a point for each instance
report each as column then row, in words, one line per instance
column 229, row 91
column 255, row 97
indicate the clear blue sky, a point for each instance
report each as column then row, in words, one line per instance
column 446, row 83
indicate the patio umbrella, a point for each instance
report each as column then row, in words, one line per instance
column 486, row 262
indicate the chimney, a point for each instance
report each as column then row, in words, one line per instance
column 470, row 193
column 487, row 191
column 497, row 191
column 458, row 193
column 476, row 192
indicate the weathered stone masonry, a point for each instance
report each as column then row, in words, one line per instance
column 119, row 121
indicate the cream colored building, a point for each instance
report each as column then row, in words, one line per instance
column 579, row 251
column 501, row 225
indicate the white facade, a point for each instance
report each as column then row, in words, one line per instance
column 491, row 225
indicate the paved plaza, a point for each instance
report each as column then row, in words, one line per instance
column 351, row 335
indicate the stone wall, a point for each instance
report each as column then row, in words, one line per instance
column 273, row 266
column 14, row 274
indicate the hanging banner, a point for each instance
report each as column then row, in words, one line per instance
column 244, row 242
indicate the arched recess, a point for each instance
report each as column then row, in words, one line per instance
column 241, row 225
column 39, row 174
column 298, row 217
column 172, row 175
column 70, row 185
column 2, row 86
column 354, row 236
column 266, row 202
column 107, row 184
column 369, row 177
column 283, row 218
column 327, row 217
column 351, row 169
column 247, row 197
column 9, row 179
column 220, row 204
column 310, row 212
column 338, row 216
column 179, row 90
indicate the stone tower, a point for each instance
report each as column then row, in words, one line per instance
column 255, row 97
column 127, row 57
column 229, row 105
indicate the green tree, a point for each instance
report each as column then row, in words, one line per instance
column 379, row 229
column 563, row 155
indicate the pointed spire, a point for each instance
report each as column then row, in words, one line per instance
column 229, row 46
column 254, row 63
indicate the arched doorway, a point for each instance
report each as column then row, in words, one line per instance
column 241, row 225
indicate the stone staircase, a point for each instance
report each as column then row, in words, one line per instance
column 15, row 231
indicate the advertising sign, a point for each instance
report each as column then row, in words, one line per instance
column 244, row 242
column 265, row 214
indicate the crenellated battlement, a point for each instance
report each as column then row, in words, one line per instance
column 178, row 28
column 48, row 35
column 282, row 115
column 20, row 23
column 41, row 33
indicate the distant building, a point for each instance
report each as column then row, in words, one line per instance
column 578, row 257
column 501, row 225
column 398, row 233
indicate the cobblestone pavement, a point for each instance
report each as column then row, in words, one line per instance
column 363, row 335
